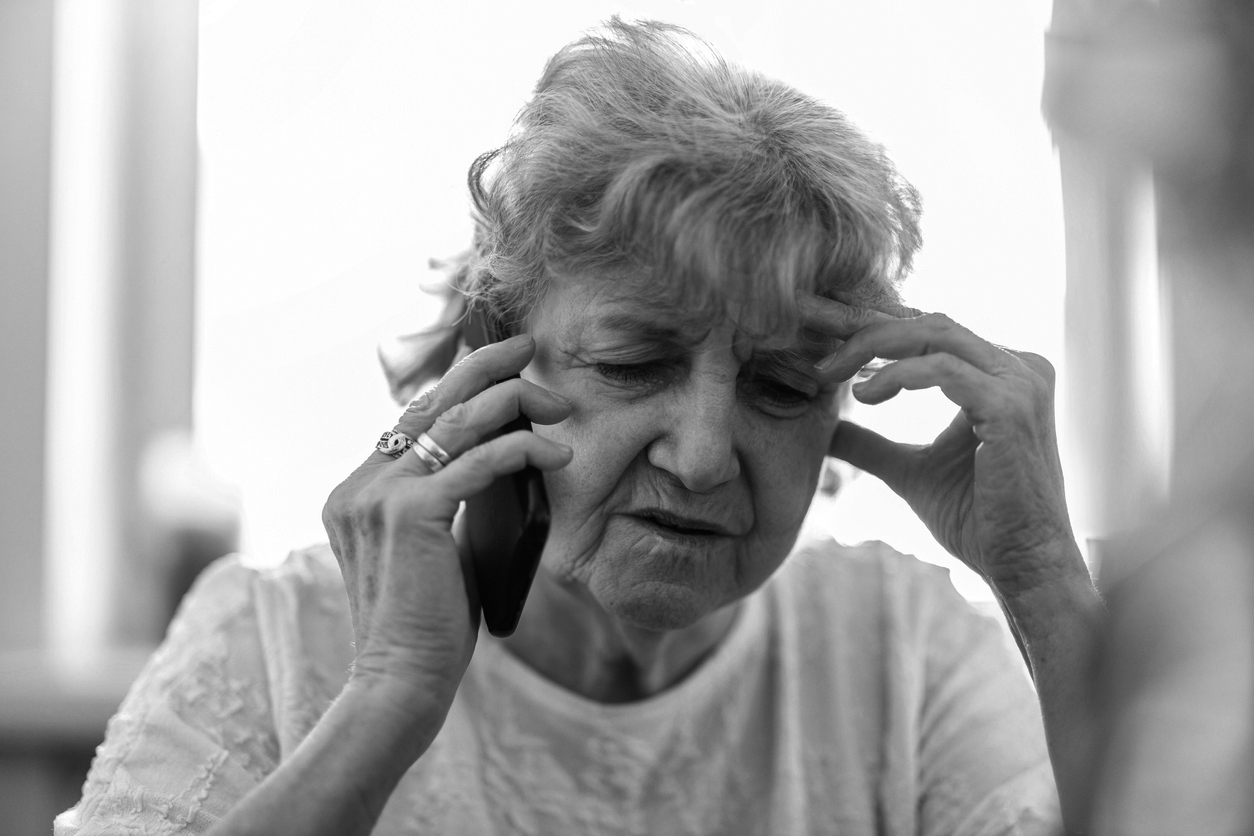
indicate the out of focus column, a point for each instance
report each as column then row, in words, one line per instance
column 25, row 128
column 121, row 326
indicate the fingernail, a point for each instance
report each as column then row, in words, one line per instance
column 827, row 363
column 560, row 399
column 860, row 387
column 565, row 448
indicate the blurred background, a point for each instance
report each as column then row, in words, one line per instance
column 213, row 214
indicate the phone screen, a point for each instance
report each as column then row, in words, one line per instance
column 508, row 523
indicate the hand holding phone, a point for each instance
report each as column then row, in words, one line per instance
column 508, row 523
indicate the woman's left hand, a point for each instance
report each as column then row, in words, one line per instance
column 990, row 487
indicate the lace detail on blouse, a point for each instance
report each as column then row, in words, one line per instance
column 194, row 732
column 856, row 694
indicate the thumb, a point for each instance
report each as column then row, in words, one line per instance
column 869, row 451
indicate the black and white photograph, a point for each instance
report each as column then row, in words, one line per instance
column 654, row 418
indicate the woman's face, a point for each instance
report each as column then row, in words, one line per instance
column 696, row 454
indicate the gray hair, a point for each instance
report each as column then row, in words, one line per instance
column 645, row 155
column 644, row 152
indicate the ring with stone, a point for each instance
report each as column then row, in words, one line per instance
column 394, row 443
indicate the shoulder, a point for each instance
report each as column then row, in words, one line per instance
column 948, row 701
column 869, row 577
column 251, row 658
column 300, row 606
column 308, row 577
column 234, row 583
column 292, row 618
column 221, row 602
column 828, row 556
column 238, row 609
column 874, row 606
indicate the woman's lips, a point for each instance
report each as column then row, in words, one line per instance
column 684, row 526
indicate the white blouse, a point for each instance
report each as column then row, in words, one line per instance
column 857, row 693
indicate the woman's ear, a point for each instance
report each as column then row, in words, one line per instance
column 835, row 475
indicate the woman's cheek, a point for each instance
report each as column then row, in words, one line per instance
column 580, row 490
column 788, row 463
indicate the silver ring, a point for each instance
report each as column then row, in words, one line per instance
column 428, row 443
column 394, row 443
column 433, row 464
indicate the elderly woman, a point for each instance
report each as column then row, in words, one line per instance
column 691, row 261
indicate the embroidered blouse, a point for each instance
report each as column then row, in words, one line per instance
column 857, row 693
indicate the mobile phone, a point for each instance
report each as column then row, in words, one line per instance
column 508, row 523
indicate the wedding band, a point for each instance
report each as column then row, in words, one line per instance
column 394, row 443
column 433, row 464
column 428, row 443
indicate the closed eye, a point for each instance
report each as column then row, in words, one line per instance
column 635, row 374
column 757, row 389
column 775, row 396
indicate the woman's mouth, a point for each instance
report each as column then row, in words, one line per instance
column 677, row 525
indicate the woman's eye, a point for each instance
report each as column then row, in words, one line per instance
column 777, row 395
column 632, row 374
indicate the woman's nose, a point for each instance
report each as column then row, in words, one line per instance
column 697, row 443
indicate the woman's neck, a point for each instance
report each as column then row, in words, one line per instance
column 567, row 638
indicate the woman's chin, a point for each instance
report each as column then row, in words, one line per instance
column 658, row 606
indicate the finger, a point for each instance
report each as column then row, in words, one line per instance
column 837, row 319
column 480, row 466
column 464, row 425
column 892, row 307
column 849, row 306
column 869, row 451
column 961, row 382
column 900, row 338
column 472, row 374
column 1038, row 364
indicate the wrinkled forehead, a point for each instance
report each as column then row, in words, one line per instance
column 623, row 304
column 688, row 298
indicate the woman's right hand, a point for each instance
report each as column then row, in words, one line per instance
column 413, row 602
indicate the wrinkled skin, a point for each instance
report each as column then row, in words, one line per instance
column 990, row 487
column 411, row 595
